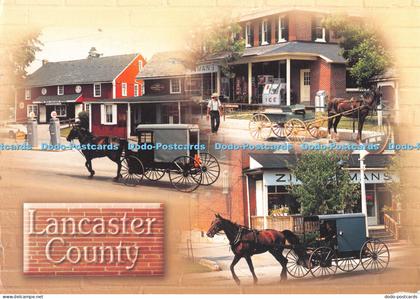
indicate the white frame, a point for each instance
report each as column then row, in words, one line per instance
column 27, row 94
column 65, row 110
column 58, row 90
column 140, row 64
column 143, row 88
column 29, row 106
column 136, row 89
column 94, row 90
column 280, row 37
column 323, row 38
column 264, row 30
column 248, row 43
column 171, row 88
column 104, row 120
column 124, row 89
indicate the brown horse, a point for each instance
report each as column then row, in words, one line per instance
column 246, row 242
column 355, row 108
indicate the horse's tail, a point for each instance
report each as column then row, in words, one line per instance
column 291, row 237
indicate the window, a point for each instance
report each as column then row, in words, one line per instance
column 97, row 90
column 282, row 30
column 27, row 94
column 140, row 64
column 31, row 108
column 136, row 90
column 124, row 89
column 279, row 201
column 307, row 78
column 109, row 114
column 60, row 90
column 87, row 108
column 143, row 88
column 319, row 31
column 61, row 110
column 249, row 36
column 175, row 86
column 265, row 33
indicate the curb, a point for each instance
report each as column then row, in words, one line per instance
column 210, row 264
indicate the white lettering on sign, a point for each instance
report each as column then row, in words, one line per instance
column 206, row 68
column 273, row 178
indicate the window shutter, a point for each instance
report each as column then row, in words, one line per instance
column 286, row 28
column 260, row 34
column 103, row 116
column 327, row 35
column 268, row 32
column 276, row 32
column 114, row 114
column 251, row 30
column 313, row 28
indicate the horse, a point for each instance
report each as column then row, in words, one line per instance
column 87, row 139
column 246, row 242
column 354, row 108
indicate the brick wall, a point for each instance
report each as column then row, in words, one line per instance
column 97, row 239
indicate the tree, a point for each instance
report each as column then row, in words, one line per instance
column 220, row 39
column 325, row 186
column 363, row 48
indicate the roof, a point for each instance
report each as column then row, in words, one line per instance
column 144, row 99
column 53, row 100
column 165, row 64
column 329, row 52
column 83, row 71
column 166, row 127
column 333, row 216
column 286, row 161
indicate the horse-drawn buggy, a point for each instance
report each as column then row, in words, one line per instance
column 169, row 148
column 337, row 242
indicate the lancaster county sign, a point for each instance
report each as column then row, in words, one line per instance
column 93, row 239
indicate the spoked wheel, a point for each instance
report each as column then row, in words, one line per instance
column 374, row 256
column 348, row 264
column 210, row 169
column 260, row 126
column 278, row 130
column 376, row 135
column 295, row 130
column 323, row 262
column 154, row 174
column 132, row 171
column 314, row 126
column 296, row 266
column 186, row 174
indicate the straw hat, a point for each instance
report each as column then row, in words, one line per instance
column 215, row 95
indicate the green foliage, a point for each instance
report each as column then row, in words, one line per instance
column 310, row 239
column 363, row 48
column 326, row 187
column 396, row 187
column 84, row 119
column 221, row 39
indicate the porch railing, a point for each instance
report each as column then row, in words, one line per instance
column 294, row 223
column 392, row 226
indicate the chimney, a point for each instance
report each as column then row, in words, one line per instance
column 44, row 62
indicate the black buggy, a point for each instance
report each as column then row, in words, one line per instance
column 338, row 242
column 169, row 148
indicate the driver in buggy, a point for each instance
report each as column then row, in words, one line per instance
column 329, row 234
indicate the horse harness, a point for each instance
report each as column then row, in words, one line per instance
column 238, row 239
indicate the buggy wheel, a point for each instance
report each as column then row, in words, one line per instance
column 154, row 174
column 132, row 171
column 323, row 262
column 296, row 266
column 314, row 126
column 185, row 174
column 348, row 264
column 295, row 130
column 210, row 169
column 374, row 256
column 260, row 126
column 278, row 130
column 376, row 137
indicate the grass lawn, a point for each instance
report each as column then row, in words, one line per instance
column 190, row 267
column 64, row 132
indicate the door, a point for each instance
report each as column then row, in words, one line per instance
column 42, row 114
column 305, row 85
column 371, row 205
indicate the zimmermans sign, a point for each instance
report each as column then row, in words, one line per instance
column 93, row 239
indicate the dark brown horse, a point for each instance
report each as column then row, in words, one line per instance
column 246, row 242
column 356, row 108
column 107, row 149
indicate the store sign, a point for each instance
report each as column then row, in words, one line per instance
column 93, row 239
column 157, row 87
column 206, row 68
column 285, row 178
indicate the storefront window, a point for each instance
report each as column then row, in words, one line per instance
column 279, row 197
column 61, row 110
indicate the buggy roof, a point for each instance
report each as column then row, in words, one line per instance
column 156, row 127
column 335, row 216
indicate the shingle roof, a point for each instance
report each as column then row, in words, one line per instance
column 89, row 70
column 285, row 161
column 165, row 64
column 67, row 98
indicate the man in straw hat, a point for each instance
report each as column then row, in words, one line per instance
column 214, row 110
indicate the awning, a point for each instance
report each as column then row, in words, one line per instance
column 143, row 99
column 58, row 100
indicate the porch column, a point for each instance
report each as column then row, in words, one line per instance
column 397, row 103
column 90, row 115
column 128, row 120
column 218, row 81
column 249, row 82
column 288, row 81
column 179, row 112
column 265, row 201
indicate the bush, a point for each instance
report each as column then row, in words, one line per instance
column 84, row 119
